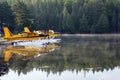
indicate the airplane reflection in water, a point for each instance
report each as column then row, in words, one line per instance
column 27, row 52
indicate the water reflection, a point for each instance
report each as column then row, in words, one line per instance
column 28, row 52
column 96, row 54
column 77, row 54
column 19, row 56
column 4, row 67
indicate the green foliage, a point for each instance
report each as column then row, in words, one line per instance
column 118, row 28
column 67, row 22
column 21, row 15
column 102, row 24
column 83, row 16
column 68, row 5
column 6, row 15
column 84, row 27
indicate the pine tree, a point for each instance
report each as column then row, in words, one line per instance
column 22, row 17
column 118, row 25
column 102, row 25
column 114, row 22
column 37, row 13
column 84, row 27
column 68, row 5
column 48, row 14
column 68, row 25
column 6, row 15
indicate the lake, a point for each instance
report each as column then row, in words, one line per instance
column 74, row 58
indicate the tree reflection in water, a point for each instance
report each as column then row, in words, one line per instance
column 4, row 67
column 76, row 54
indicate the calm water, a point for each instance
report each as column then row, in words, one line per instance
column 74, row 58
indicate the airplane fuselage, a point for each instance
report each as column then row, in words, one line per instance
column 22, row 36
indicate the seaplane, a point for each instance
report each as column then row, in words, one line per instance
column 28, row 38
column 22, row 36
column 50, row 33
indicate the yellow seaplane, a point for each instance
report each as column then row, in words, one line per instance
column 27, row 52
column 50, row 33
column 27, row 35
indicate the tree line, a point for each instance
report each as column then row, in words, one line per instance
column 66, row 16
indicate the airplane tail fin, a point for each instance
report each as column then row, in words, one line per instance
column 7, row 32
column 7, row 56
column 26, row 29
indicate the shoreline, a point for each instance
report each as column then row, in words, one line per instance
column 92, row 35
column 81, row 35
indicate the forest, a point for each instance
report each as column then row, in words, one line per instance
column 65, row 16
